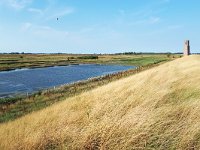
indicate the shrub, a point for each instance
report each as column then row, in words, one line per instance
column 88, row 57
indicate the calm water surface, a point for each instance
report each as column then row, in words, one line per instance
column 32, row 80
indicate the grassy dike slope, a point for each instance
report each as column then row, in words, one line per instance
column 156, row 109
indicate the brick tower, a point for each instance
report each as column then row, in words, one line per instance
column 187, row 48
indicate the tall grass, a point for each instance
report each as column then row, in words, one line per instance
column 155, row 109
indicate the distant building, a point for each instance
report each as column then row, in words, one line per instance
column 187, row 48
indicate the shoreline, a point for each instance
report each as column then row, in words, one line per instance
column 36, row 67
column 73, row 64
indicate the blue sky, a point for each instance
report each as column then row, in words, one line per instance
column 98, row 26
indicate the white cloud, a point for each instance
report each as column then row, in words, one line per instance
column 33, row 28
column 166, row 1
column 41, row 30
column 153, row 20
column 35, row 10
column 26, row 26
column 174, row 27
column 61, row 13
column 17, row 4
column 147, row 21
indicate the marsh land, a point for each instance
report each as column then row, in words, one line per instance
column 17, row 61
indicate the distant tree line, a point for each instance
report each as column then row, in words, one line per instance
column 92, row 56
column 16, row 53
column 146, row 53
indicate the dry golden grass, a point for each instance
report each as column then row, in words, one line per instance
column 155, row 109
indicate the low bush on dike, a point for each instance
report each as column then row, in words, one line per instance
column 7, row 101
column 88, row 57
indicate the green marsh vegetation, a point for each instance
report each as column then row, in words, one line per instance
column 17, row 61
